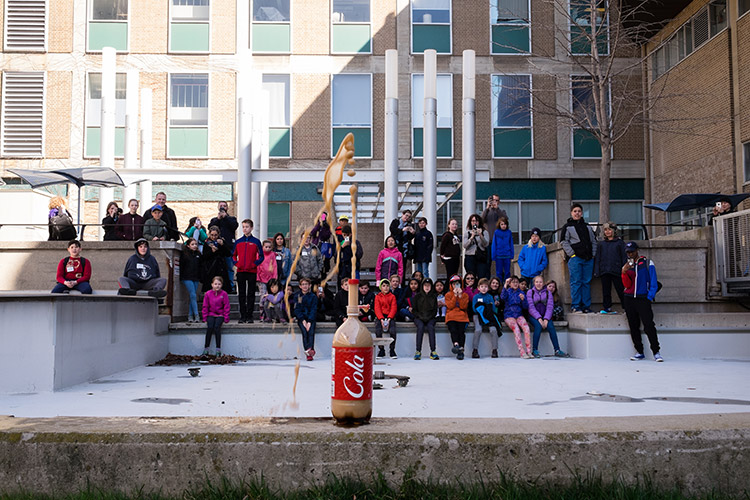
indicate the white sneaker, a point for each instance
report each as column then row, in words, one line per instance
column 658, row 358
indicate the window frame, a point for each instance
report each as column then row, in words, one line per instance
column 90, row 19
column 740, row 12
column 495, row 23
column 86, row 124
column 453, row 118
column 573, row 125
column 449, row 24
column 172, row 21
column 572, row 24
column 746, row 160
column 615, row 202
column 207, row 126
column 289, row 23
column 46, row 31
column 334, row 147
column 289, row 126
column 531, row 115
column 357, row 23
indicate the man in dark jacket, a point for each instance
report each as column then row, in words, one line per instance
column 168, row 216
column 228, row 229
column 142, row 273
column 424, row 244
column 402, row 230
column 345, row 266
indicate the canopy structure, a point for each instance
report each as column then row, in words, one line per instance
column 698, row 200
column 87, row 176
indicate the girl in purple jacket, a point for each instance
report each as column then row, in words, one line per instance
column 215, row 312
column 541, row 303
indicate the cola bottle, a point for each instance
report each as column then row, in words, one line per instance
column 351, row 367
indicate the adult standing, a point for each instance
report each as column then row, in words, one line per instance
column 168, row 216
column 424, row 244
column 402, row 230
column 490, row 216
column 476, row 241
column 213, row 260
column 610, row 257
column 61, row 226
column 450, row 248
column 110, row 221
column 228, row 229
column 579, row 243
column 641, row 285
column 130, row 225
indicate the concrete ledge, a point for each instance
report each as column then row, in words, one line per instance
column 62, row 455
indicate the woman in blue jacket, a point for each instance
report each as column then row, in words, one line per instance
column 532, row 259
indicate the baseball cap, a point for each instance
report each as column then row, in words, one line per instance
column 455, row 277
column 157, row 207
column 632, row 246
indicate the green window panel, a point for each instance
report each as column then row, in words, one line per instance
column 579, row 42
column 510, row 39
column 94, row 141
column 108, row 35
column 189, row 37
column 619, row 189
column 278, row 219
column 362, row 142
column 271, row 38
column 444, row 142
column 512, row 143
column 430, row 36
column 585, row 145
column 188, row 142
column 279, row 142
column 351, row 38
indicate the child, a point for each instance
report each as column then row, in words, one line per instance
column 155, row 229
column 515, row 302
column 73, row 272
column 485, row 319
column 608, row 262
column 417, row 276
column 142, row 273
column 130, row 225
column 366, row 303
column 190, row 275
column 439, row 288
column 247, row 256
column 272, row 303
column 405, row 306
column 495, row 290
column 345, row 257
column 456, row 317
column 425, row 311
column 196, row 231
column 390, row 261
column 541, row 303
column 558, row 313
column 305, row 309
column 267, row 270
column 341, row 301
column 385, row 314
column 215, row 312
column 502, row 248
column 532, row 259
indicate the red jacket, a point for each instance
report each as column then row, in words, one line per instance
column 248, row 254
column 385, row 305
column 81, row 270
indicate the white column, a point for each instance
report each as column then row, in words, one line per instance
column 263, row 186
column 244, row 136
column 146, row 186
column 107, row 129
column 256, row 148
column 429, row 146
column 468, row 153
column 131, row 133
column 390, row 153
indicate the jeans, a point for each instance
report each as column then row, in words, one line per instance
column 580, row 282
column 308, row 336
column 430, row 327
column 230, row 271
column 246, row 288
column 82, row 287
column 538, row 333
column 152, row 284
column 424, row 268
column 213, row 327
column 502, row 269
column 391, row 331
column 608, row 281
column 192, row 288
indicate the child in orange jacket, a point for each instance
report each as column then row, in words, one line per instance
column 457, row 317
column 385, row 314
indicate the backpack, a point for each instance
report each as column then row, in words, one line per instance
column 83, row 264
column 61, row 227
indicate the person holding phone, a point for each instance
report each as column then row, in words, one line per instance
column 457, row 317
column 641, row 285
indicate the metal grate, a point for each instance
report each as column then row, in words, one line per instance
column 700, row 28
column 732, row 239
column 23, row 114
column 25, row 25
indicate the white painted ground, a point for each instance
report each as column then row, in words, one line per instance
column 547, row 388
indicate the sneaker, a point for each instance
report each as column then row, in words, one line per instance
column 494, row 353
column 637, row 357
column 205, row 352
column 586, row 310
column 460, row 355
column 455, row 349
column 309, row 358
column 475, row 354
column 381, row 353
column 157, row 293
column 418, row 355
column 605, row 311
column 536, row 354
column 393, row 354
column 574, row 310
column 612, row 312
column 249, row 320
column 241, row 320
column 218, row 353
column 434, row 355
column 126, row 291
column 312, row 352
column 658, row 358
column 561, row 354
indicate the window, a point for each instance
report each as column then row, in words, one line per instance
column 25, row 22
column 271, row 28
column 279, row 129
column 743, row 6
column 350, row 27
column 627, row 214
column 188, row 115
column 511, row 26
column 431, row 26
column 585, row 144
column 589, row 21
column 685, row 220
column 511, row 116
column 108, row 25
column 444, row 115
column 746, row 160
column 23, row 114
column 351, row 100
column 525, row 215
column 189, row 29
column 94, row 114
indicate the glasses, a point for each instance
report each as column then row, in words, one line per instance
column 469, row 278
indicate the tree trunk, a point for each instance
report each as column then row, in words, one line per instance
column 606, row 174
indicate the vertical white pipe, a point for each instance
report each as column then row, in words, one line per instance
column 263, row 186
column 131, row 120
column 468, row 153
column 390, row 153
column 146, row 114
column 429, row 146
column 107, row 129
column 256, row 148
column 244, row 136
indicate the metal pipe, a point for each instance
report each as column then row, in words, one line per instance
column 390, row 153
column 263, row 186
column 429, row 147
column 244, row 175
column 468, row 151
column 107, row 126
column 146, row 120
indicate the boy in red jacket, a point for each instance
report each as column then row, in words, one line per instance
column 385, row 312
column 248, row 255
column 73, row 272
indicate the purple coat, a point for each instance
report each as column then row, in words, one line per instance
column 216, row 304
column 541, row 303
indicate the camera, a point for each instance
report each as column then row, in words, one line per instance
column 474, row 227
column 631, row 262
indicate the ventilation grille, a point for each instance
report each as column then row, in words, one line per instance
column 23, row 114
column 700, row 28
column 24, row 25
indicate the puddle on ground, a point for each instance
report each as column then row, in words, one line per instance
column 111, row 381
column 164, row 401
column 703, row 401
column 617, row 398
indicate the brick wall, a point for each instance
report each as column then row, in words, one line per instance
column 545, row 123
column 743, row 69
column 311, row 27
column 627, row 101
column 542, row 33
column 149, row 28
column 222, row 122
column 378, row 116
column 59, row 26
column 223, row 29
column 383, row 26
column 311, row 116
column 471, row 27
column 57, row 102
column 158, row 84
column 482, row 116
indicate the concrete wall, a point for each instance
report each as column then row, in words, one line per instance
column 58, row 341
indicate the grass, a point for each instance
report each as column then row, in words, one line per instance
column 581, row 488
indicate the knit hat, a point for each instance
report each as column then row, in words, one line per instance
column 384, row 280
column 536, row 231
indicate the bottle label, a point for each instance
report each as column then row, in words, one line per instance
column 351, row 377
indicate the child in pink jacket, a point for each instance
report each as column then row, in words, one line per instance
column 267, row 270
column 215, row 312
